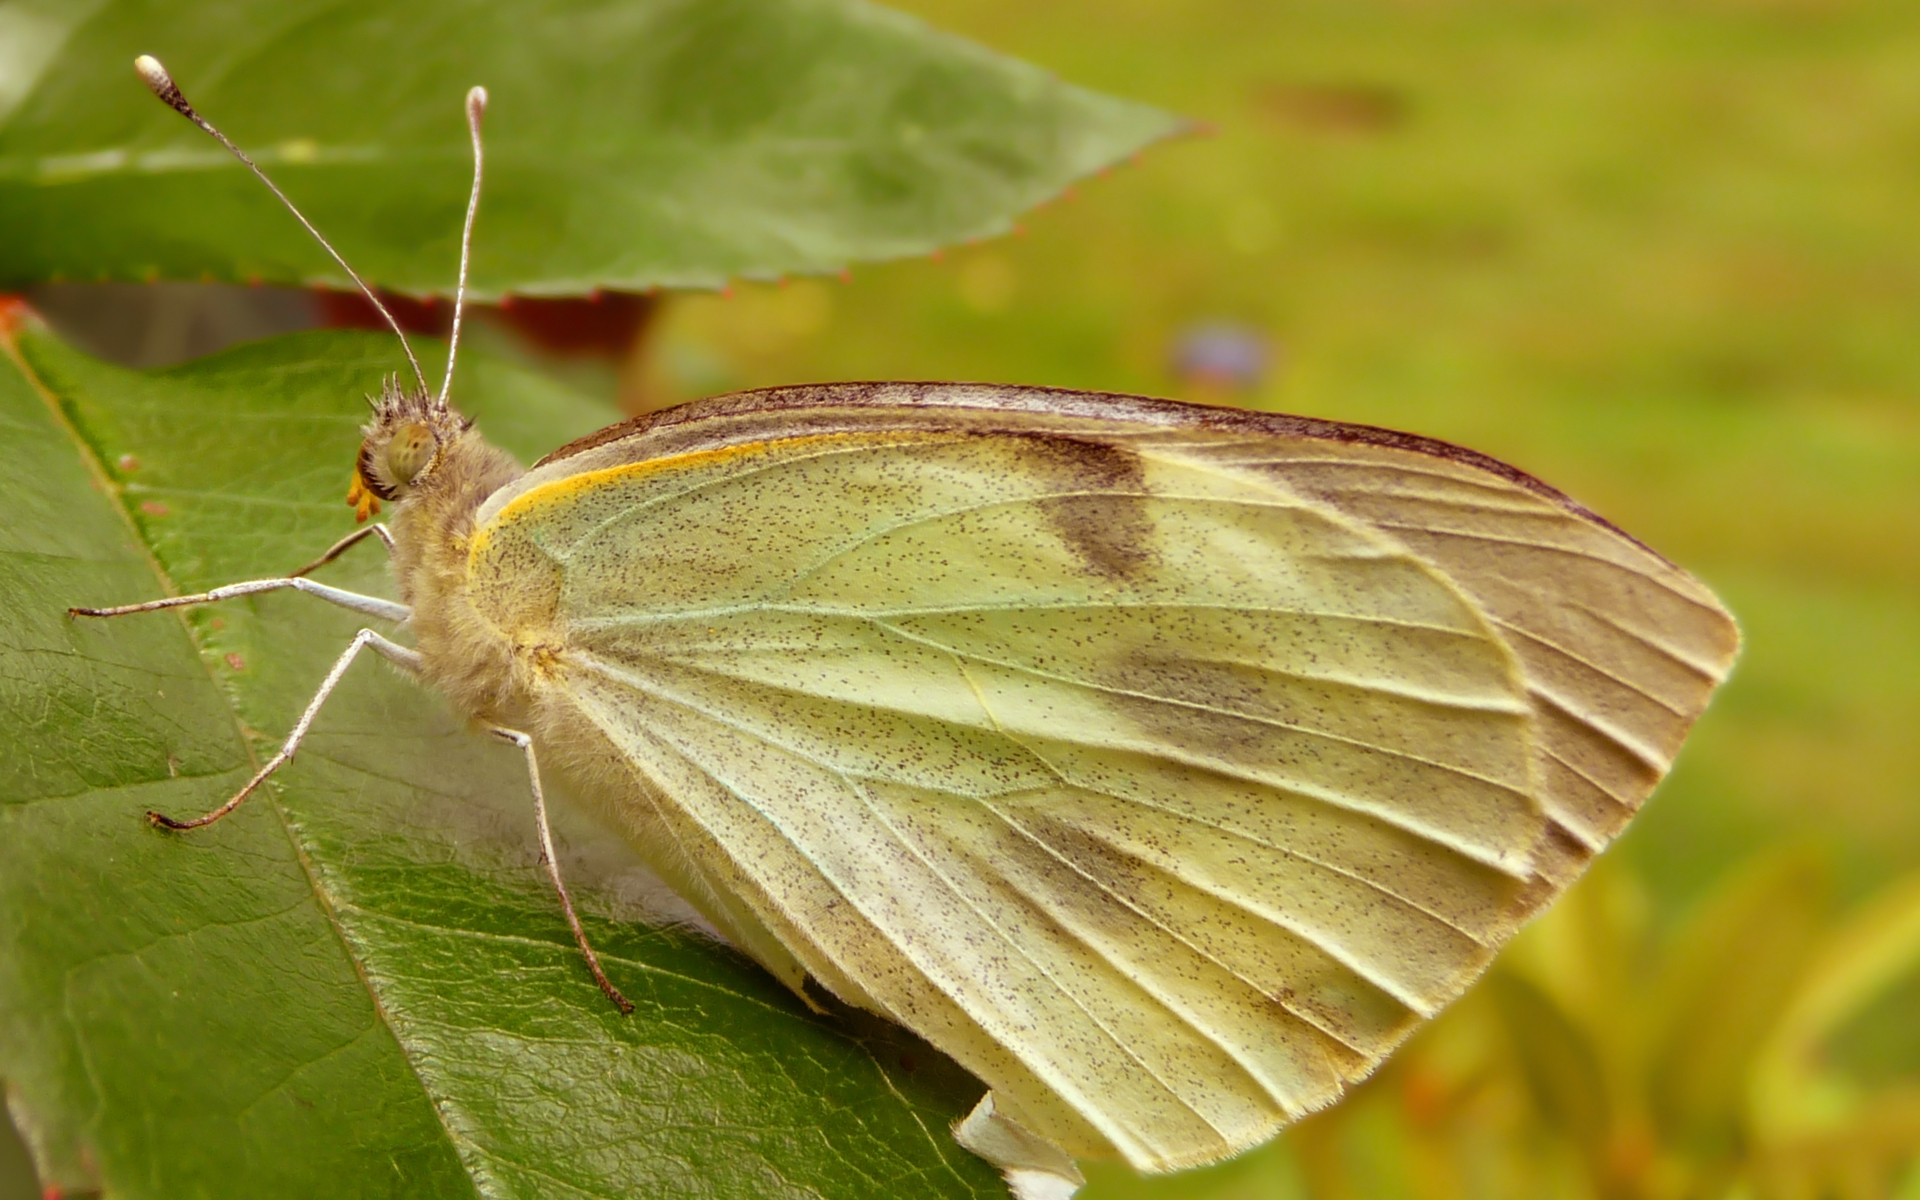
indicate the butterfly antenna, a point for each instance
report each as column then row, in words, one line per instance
column 162, row 85
column 476, row 108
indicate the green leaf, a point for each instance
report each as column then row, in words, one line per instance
column 358, row 983
column 651, row 142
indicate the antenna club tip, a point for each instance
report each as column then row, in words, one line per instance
column 150, row 70
column 476, row 100
column 160, row 83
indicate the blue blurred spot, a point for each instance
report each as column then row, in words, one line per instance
column 1221, row 356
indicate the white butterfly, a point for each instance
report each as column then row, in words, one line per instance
column 1163, row 765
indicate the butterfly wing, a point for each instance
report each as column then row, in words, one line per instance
column 1163, row 765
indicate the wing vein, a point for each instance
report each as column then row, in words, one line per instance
column 1271, row 722
column 1299, row 929
column 860, row 789
column 929, row 517
column 696, row 488
column 615, row 673
column 1304, row 1017
column 1464, row 704
column 861, row 792
column 1320, row 795
column 663, row 616
column 1299, row 856
column 1712, row 675
column 1550, row 548
column 1128, row 972
column 1062, row 777
column 1574, row 769
column 1351, row 464
column 1590, row 665
column 1642, row 754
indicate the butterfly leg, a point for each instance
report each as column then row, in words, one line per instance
column 393, row 652
column 345, row 544
column 547, row 856
column 367, row 606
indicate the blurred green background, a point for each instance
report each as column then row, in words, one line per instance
column 1665, row 256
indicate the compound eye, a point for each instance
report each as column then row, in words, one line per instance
column 410, row 449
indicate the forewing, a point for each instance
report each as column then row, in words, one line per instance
column 1164, row 772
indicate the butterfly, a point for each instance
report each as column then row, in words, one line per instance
column 1164, row 765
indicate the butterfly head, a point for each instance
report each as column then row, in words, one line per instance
column 402, row 446
column 412, row 429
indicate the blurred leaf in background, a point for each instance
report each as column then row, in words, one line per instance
column 631, row 144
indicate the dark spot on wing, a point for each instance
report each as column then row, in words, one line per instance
column 1112, row 534
column 1100, row 514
